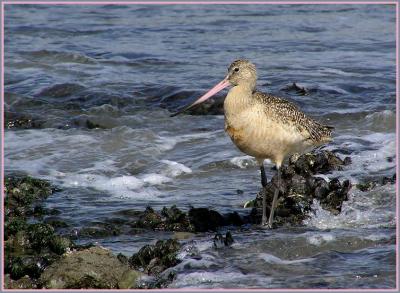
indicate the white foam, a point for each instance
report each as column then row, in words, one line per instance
column 340, row 72
column 166, row 143
column 381, row 121
column 217, row 279
column 73, row 158
column 243, row 162
column 155, row 179
column 194, row 264
column 361, row 210
column 377, row 237
column 269, row 258
column 370, row 155
column 175, row 169
column 320, row 238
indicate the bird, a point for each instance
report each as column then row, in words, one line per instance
column 264, row 126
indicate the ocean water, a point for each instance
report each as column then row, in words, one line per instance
column 125, row 68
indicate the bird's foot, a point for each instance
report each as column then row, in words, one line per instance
column 264, row 219
column 265, row 224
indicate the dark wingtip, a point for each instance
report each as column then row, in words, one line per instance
column 174, row 114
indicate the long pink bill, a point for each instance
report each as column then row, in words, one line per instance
column 219, row 87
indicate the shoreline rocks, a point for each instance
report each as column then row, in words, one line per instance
column 299, row 188
column 95, row 267
column 37, row 257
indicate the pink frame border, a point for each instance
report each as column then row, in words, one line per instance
column 205, row 3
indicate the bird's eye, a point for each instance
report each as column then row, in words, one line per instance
column 236, row 69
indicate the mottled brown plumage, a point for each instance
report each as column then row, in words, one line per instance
column 286, row 112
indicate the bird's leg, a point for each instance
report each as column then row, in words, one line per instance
column 264, row 201
column 274, row 201
column 263, row 176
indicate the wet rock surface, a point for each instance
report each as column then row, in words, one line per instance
column 223, row 241
column 17, row 120
column 369, row 185
column 61, row 90
column 95, row 267
column 299, row 188
column 29, row 247
column 154, row 260
column 173, row 99
column 37, row 257
column 170, row 219
column 294, row 88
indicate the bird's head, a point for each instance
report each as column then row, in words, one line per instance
column 240, row 72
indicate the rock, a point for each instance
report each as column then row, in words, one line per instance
column 317, row 162
column 30, row 265
column 21, row 191
column 61, row 90
column 214, row 106
column 39, row 211
column 13, row 225
column 95, row 268
column 153, row 259
column 99, row 231
column 15, row 120
column 183, row 235
column 173, row 219
column 389, row 180
column 176, row 220
column 23, row 283
column 233, row 219
column 296, row 89
column 60, row 245
column 55, row 222
column 337, row 194
column 204, row 219
column 369, row 185
column 29, row 248
column 174, row 99
column 40, row 235
column 299, row 188
column 170, row 219
column 149, row 219
column 221, row 241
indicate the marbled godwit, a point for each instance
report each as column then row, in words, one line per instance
column 264, row 126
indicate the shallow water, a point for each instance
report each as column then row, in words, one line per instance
column 128, row 66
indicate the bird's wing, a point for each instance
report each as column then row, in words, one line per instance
column 288, row 113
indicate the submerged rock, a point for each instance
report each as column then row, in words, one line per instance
column 173, row 219
column 154, row 259
column 221, row 241
column 61, row 90
column 173, row 99
column 299, row 188
column 369, row 185
column 14, row 120
column 95, row 267
column 204, row 219
column 296, row 89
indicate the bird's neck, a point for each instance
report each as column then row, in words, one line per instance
column 238, row 99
